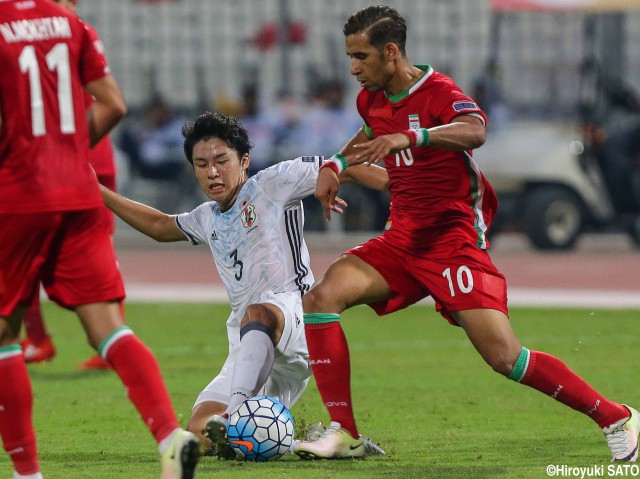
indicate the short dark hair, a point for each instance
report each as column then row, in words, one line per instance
column 215, row 125
column 382, row 24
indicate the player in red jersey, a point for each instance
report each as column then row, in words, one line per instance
column 52, row 229
column 38, row 346
column 424, row 127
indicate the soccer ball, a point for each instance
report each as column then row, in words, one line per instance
column 261, row 429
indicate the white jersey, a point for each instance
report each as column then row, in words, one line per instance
column 258, row 243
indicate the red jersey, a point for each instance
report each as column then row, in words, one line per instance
column 101, row 156
column 47, row 55
column 439, row 197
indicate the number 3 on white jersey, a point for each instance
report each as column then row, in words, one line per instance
column 464, row 280
column 58, row 61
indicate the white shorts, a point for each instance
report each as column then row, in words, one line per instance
column 291, row 370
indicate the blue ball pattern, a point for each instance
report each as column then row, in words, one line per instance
column 261, row 429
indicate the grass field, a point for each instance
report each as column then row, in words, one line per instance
column 420, row 390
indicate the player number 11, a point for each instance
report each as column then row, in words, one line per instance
column 57, row 60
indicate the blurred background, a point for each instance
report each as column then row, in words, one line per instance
column 559, row 79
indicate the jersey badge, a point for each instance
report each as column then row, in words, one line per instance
column 312, row 159
column 414, row 122
column 214, row 236
column 464, row 105
column 248, row 216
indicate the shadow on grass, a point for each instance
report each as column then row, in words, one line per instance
column 71, row 375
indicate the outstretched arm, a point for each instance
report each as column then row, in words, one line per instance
column 147, row 220
column 328, row 182
column 371, row 176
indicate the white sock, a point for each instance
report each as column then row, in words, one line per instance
column 252, row 367
column 37, row 475
column 164, row 444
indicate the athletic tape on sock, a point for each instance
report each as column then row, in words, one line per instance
column 257, row 326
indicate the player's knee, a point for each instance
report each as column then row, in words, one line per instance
column 501, row 362
column 317, row 300
column 259, row 313
column 264, row 323
column 263, row 317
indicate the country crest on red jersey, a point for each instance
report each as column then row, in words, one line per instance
column 248, row 216
column 414, row 121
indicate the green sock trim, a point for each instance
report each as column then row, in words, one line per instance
column 10, row 351
column 321, row 318
column 518, row 371
column 117, row 332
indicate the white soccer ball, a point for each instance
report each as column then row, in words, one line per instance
column 261, row 429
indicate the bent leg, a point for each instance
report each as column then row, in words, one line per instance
column 261, row 329
column 246, row 370
column 349, row 281
column 134, row 363
column 491, row 333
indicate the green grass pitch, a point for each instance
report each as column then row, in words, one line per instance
column 419, row 388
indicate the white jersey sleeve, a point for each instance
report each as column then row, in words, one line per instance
column 291, row 181
column 258, row 243
column 192, row 225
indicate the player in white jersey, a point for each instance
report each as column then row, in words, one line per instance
column 254, row 229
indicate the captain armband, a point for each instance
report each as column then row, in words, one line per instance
column 417, row 137
column 337, row 163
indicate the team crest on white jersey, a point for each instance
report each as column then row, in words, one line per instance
column 248, row 216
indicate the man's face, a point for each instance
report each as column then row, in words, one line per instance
column 219, row 170
column 372, row 70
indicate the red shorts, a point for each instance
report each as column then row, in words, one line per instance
column 71, row 253
column 457, row 279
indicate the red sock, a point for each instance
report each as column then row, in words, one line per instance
column 34, row 323
column 551, row 376
column 16, row 404
column 330, row 362
column 138, row 369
